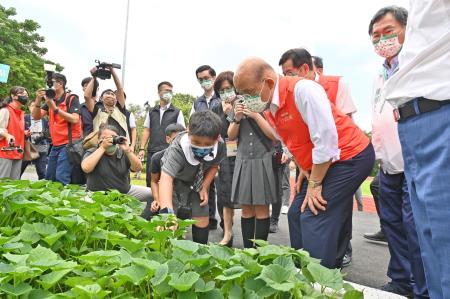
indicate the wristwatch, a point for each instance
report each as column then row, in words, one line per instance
column 314, row 184
column 166, row 211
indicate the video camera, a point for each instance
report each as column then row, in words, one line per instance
column 50, row 69
column 103, row 71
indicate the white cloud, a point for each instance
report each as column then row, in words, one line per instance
column 169, row 39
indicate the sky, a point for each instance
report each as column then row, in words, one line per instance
column 168, row 40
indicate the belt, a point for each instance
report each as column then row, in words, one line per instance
column 423, row 105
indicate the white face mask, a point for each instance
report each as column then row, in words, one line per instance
column 207, row 84
column 388, row 46
column 167, row 96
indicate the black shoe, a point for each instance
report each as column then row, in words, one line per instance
column 229, row 243
column 273, row 227
column 347, row 260
column 378, row 236
column 396, row 289
column 212, row 224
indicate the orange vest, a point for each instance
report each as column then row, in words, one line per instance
column 294, row 132
column 59, row 128
column 331, row 86
column 16, row 127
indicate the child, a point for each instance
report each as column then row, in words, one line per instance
column 152, row 207
column 189, row 166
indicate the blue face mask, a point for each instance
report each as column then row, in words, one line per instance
column 201, row 152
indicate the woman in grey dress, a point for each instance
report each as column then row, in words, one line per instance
column 254, row 185
column 223, row 86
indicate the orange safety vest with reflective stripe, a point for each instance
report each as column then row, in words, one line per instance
column 16, row 127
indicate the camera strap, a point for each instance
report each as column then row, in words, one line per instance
column 69, row 99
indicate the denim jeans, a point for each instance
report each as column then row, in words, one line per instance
column 425, row 141
column 59, row 168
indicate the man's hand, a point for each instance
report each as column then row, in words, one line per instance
column 141, row 155
column 284, row 158
column 10, row 138
column 203, row 196
column 239, row 112
column 154, row 206
column 50, row 103
column 40, row 95
column 93, row 70
column 227, row 107
column 292, row 165
column 107, row 142
column 125, row 147
column 27, row 133
column 251, row 114
column 314, row 200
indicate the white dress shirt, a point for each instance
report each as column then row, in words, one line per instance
column 314, row 107
column 162, row 110
column 385, row 140
column 425, row 57
column 344, row 101
column 132, row 121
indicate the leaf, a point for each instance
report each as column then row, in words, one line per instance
column 202, row 287
column 51, row 239
column 221, row 253
column 331, row 278
column 185, row 245
column 232, row 273
column 277, row 277
column 236, row 292
column 134, row 274
column 16, row 258
column 44, row 228
column 160, row 274
column 29, row 236
column 214, row 294
column 187, row 295
column 285, row 262
column 200, row 260
column 48, row 280
column 183, row 282
column 132, row 245
column 353, row 294
column 93, row 290
column 6, row 268
column 39, row 294
column 20, row 289
column 150, row 265
column 99, row 256
column 40, row 254
column 270, row 252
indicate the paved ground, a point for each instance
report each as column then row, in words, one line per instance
column 370, row 259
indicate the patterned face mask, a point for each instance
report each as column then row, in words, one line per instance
column 227, row 95
column 167, row 96
column 254, row 103
column 388, row 46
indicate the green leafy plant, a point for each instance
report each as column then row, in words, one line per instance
column 64, row 242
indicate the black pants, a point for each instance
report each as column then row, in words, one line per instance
column 375, row 190
column 212, row 203
column 148, row 173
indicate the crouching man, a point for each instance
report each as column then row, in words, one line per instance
column 188, row 168
column 108, row 166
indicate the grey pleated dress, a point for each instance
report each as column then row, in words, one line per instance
column 254, row 178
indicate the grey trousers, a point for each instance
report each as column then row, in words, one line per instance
column 10, row 168
column 140, row 192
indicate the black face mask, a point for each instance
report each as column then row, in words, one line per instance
column 22, row 100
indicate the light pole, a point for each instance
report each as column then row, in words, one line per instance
column 125, row 45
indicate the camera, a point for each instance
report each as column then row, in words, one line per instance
column 12, row 147
column 119, row 140
column 103, row 71
column 50, row 70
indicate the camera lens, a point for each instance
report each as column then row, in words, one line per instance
column 119, row 140
column 50, row 93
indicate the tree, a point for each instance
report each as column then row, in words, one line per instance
column 184, row 101
column 20, row 49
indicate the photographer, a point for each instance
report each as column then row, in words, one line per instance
column 38, row 132
column 86, row 115
column 12, row 128
column 108, row 166
column 106, row 110
column 63, row 111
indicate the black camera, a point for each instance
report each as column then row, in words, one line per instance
column 49, row 92
column 103, row 71
column 119, row 140
column 11, row 147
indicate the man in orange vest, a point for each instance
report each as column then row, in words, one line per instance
column 331, row 150
column 299, row 62
column 12, row 133
column 64, row 113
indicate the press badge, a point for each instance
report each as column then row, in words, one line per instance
column 231, row 148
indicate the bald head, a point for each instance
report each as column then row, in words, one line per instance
column 251, row 73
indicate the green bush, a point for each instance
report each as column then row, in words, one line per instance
column 63, row 242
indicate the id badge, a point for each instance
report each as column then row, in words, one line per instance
column 231, row 148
